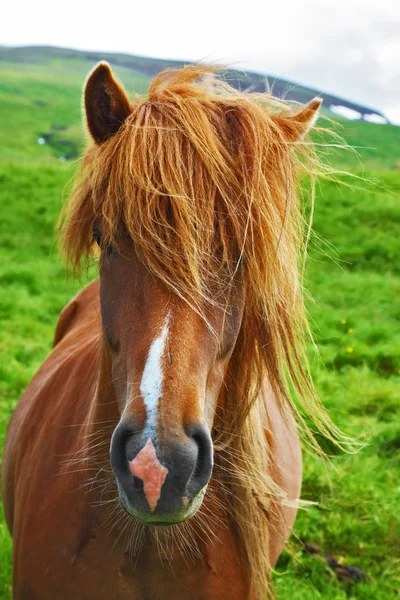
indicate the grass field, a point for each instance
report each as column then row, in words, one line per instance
column 353, row 276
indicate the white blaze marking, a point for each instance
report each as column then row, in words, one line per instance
column 152, row 378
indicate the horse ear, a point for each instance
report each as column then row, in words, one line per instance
column 298, row 125
column 106, row 103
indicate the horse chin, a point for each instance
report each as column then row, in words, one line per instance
column 164, row 519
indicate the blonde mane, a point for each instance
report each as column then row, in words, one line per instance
column 205, row 180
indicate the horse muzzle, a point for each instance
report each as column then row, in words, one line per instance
column 161, row 482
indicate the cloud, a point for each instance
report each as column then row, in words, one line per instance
column 353, row 52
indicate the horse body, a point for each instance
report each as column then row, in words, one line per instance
column 63, row 547
column 155, row 454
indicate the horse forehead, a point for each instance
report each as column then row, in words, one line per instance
column 145, row 301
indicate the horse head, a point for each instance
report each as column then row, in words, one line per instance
column 168, row 365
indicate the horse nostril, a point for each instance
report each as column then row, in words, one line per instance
column 200, row 456
column 204, row 463
column 123, row 435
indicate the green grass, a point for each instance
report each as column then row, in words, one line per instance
column 375, row 147
column 353, row 275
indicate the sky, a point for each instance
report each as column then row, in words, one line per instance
column 350, row 48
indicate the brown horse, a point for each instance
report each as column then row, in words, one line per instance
column 156, row 453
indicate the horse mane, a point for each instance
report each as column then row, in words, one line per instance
column 206, row 181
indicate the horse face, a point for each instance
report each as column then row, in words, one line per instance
column 167, row 367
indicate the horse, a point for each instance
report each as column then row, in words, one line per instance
column 157, row 451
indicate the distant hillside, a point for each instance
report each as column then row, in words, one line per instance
column 41, row 117
column 149, row 67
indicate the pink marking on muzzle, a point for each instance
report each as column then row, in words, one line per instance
column 148, row 468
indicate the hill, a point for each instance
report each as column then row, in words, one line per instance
column 151, row 66
column 40, row 97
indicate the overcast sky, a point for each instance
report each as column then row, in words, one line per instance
column 349, row 47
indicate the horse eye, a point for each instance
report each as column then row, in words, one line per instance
column 97, row 236
column 110, row 251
